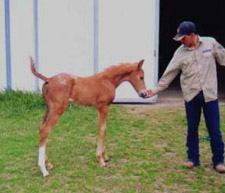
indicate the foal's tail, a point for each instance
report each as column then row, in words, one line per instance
column 34, row 71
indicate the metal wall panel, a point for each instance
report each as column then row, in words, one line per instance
column 21, row 35
column 2, row 48
column 81, row 38
column 66, row 37
column 127, row 34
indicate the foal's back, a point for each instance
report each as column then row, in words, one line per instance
column 87, row 91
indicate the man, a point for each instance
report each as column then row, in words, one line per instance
column 196, row 60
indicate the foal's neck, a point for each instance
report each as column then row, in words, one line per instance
column 119, row 79
column 117, row 74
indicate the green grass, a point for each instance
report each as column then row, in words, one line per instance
column 146, row 146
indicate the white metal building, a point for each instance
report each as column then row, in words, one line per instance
column 79, row 37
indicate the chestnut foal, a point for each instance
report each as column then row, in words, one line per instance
column 97, row 90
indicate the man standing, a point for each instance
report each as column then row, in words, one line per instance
column 196, row 60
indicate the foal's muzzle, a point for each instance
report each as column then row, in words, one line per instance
column 143, row 94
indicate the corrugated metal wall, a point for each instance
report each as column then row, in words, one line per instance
column 78, row 37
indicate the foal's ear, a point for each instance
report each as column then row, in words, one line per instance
column 140, row 63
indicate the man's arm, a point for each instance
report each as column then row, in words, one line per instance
column 170, row 73
column 219, row 53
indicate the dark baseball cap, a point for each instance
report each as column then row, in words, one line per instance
column 185, row 28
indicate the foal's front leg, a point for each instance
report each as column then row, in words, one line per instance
column 101, row 149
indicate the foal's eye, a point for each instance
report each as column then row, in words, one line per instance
column 141, row 78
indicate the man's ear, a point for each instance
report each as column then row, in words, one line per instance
column 140, row 63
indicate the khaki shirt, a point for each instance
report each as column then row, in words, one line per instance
column 197, row 67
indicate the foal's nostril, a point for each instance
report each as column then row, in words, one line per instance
column 142, row 94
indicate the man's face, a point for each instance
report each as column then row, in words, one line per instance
column 187, row 40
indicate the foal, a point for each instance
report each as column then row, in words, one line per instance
column 97, row 90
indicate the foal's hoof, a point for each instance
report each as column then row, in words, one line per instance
column 45, row 175
column 50, row 166
column 101, row 161
column 106, row 159
column 102, row 164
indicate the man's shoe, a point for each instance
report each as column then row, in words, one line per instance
column 189, row 164
column 220, row 168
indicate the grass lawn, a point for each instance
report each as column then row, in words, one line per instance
column 146, row 146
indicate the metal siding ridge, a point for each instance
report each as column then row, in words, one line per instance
column 96, row 10
column 156, row 46
column 8, row 45
column 36, row 45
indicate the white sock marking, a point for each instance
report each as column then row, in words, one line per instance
column 41, row 161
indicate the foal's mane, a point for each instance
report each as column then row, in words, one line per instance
column 118, row 70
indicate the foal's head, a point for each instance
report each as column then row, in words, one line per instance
column 136, row 78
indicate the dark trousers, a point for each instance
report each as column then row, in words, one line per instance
column 212, row 119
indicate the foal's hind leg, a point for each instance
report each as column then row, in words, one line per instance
column 101, row 149
column 45, row 129
column 47, row 162
column 55, row 111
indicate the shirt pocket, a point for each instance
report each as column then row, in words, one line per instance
column 207, row 53
column 207, row 57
